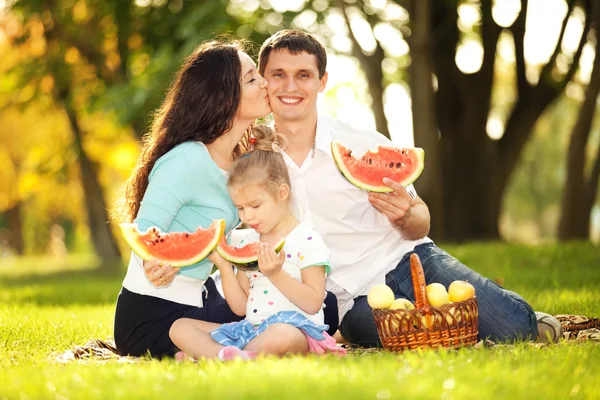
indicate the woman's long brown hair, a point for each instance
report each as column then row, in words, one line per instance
column 200, row 105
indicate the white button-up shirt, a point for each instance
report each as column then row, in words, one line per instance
column 363, row 243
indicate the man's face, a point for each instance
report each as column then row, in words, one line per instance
column 293, row 84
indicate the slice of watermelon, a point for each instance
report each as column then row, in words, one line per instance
column 245, row 257
column 400, row 165
column 179, row 249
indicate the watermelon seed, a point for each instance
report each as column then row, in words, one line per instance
column 349, row 152
column 398, row 165
column 187, row 235
column 370, row 161
column 392, row 164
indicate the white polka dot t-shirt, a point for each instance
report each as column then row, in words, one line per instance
column 303, row 248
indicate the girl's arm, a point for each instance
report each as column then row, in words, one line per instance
column 234, row 288
column 307, row 295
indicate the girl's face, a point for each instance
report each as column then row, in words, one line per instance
column 258, row 208
column 254, row 101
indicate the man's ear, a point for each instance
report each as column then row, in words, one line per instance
column 323, row 81
column 284, row 192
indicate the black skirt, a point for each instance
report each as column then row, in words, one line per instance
column 142, row 323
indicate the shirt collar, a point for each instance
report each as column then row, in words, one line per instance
column 323, row 135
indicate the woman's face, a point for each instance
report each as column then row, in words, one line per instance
column 254, row 102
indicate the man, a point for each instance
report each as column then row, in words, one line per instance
column 370, row 235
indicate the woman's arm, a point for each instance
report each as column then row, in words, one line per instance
column 167, row 192
column 235, row 287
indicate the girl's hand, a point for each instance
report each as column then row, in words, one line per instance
column 269, row 262
column 158, row 273
column 219, row 261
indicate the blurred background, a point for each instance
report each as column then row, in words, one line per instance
column 502, row 95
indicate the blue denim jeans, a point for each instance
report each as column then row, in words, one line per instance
column 503, row 315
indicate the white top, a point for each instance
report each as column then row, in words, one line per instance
column 303, row 248
column 363, row 244
column 183, row 289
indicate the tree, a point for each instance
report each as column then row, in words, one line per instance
column 476, row 168
column 531, row 204
column 424, row 112
column 370, row 61
column 467, row 171
column 580, row 188
column 55, row 57
column 116, row 56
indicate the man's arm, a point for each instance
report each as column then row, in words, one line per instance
column 410, row 216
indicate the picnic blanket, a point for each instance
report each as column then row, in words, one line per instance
column 575, row 327
column 579, row 327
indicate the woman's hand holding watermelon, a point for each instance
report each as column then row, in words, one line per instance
column 159, row 274
column 410, row 216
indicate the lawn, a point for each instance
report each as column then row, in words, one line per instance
column 48, row 306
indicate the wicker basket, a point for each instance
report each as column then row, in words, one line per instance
column 452, row 325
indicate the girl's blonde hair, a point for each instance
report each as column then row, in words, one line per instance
column 263, row 164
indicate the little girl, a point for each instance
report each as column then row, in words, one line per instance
column 283, row 303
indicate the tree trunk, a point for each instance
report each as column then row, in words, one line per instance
column 579, row 193
column 472, row 196
column 477, row 169
column 375, row 79
column 430, row 185
column 371, row 65
column 14, row 222
column 102, row 237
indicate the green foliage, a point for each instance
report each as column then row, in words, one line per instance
column 533, row 197
column 48, row 306
column 532, row 200
column 114, row 60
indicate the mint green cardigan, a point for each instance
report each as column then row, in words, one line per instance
column 186, row 189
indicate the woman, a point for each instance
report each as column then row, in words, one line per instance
column 180, row 184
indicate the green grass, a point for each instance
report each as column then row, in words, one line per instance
column 49, row 306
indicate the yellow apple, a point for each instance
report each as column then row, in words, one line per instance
column 453, row 312
column 429, row 321
column 380, row 296
column 401, row 303
column 461, row 291
column 437, row 294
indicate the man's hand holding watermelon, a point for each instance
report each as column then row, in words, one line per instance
column 410, row 216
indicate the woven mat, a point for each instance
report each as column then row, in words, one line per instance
column 579, row 327
column 94, row 351
column 576, row 328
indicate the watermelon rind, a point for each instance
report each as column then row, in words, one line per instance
column 337, row 150
column 246, row 263
column 140, row 244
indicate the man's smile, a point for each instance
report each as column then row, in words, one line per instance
column 290, row 100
